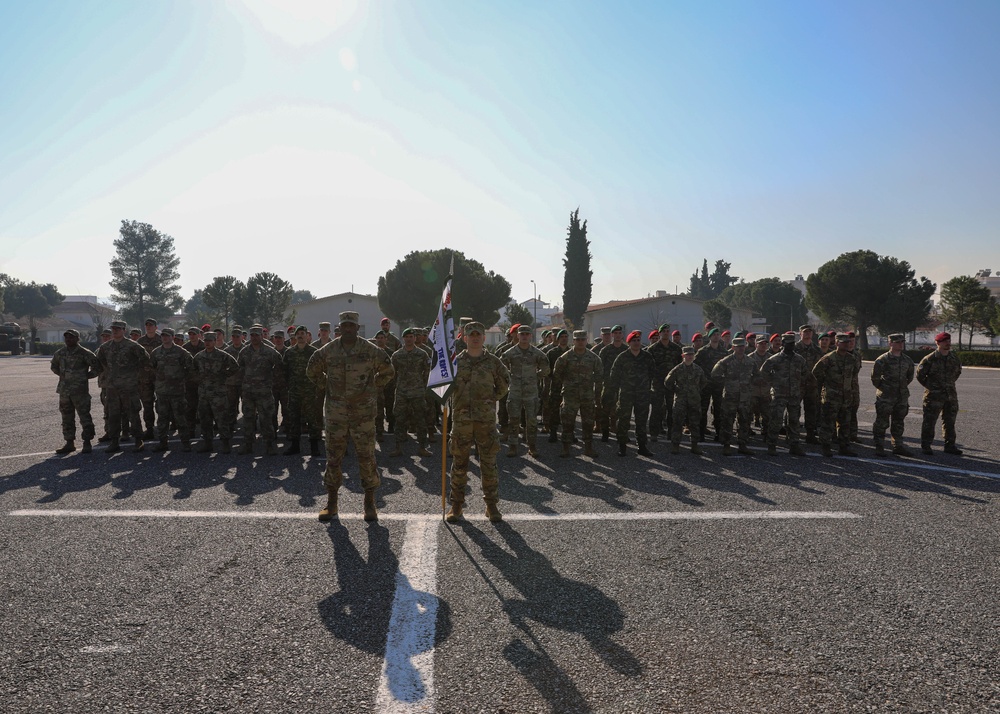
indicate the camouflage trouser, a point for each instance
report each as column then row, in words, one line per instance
column 258, row 410
column 233, row 393
column 502, row 414
column 553, row 409
column 572, row 404
column 148, row 399
column 712, row 394
column 760, row 408
column 385, row 411
column 686, row 410
column 948, row 410
column 172, row 408
column 515, row 404
column 835, row 422
column 71, row 404
column 890, row 411
column 661, row 414
column 410, row 414
column 280, row 404
column 362, row 432
column 623, row 415
column 484, row 434
column 123, row 409
column 302, row 408
column 737, row 410
column 607, row 415
column 779, row 407
column 811, row 409
column 852, row 414
column 191, row 396
column 104, row 410
column 214, row 407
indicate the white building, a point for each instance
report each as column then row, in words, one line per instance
column 681, row 312
column 990, row 280
column 328, row 309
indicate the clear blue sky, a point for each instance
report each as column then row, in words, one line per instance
column 325, row 140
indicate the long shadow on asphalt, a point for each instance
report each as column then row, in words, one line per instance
column 550, row 600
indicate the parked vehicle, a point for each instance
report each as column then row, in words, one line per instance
column 11, row 339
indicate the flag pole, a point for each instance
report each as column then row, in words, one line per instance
column 444, row 459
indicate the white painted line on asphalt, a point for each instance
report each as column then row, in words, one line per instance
column 25, row 456
column 105, row 649
column 424, row 517
column 407, row 681
column 923, row 465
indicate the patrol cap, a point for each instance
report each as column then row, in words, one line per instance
column 278, row 333
column 72, row 332
column 897, row 337
column 466, row 320
column 380, row 333
column 546, row 333
column 106, row 331
column 301, row 328
column 210, row 336
column 634, row 335
column 523, row 330
column 843, row 337
column 238, row 328
column 170, row 333
column 256, row 330
column 687, row 350
column 605, row 330
column 134, row 331
column 475, row 327
column 348, row 316
column 409, row 331
column 788, row 338
column 324, row 325
column 579, row 334
column 942, row 337
column 739, row 342
column 149, row 321
column 803, row 328
column 665, row 327
column 194, row 330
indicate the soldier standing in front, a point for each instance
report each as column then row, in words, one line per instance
column 75, row 365
column 630, row 382
column 891, row 376
column 580, row 373
column 123, row 360
column 937, row 373
column 686, row 382
column 785, row 373
column 173, row 369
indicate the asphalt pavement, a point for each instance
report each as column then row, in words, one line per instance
column 183, row 582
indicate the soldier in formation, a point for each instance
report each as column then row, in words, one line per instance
column 891, row 377
column 123, row 360
column 937, row 374
column 630, row 382
column 734, row 376
column 579, row 373
column 411, row 366
column 686, row 382
column 835, row 376
column 172, row 368
column 75, row 365
column 527, row 365
column 786, row 374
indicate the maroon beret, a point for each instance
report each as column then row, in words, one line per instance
column 942, row 337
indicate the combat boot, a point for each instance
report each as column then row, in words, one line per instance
column 423, row 451
column 846, row 450
column 621, row 448
column 675, row 447
column 161, row 445
column 148, row 435
column 114, row 447
column 952, row 449
column 588, row 449
column 185, row 445
column 744, row 449
column 269, row 448
column 605, row 435
column 454, row 514
column 696, row 450
column 772, row 450
column 879, row 448
column 727, row 450
column 796, row 450
column 330, row 511
column 104, row 438
column 87, row 448
column 397, row 450
column 533, row 451
column 553, row 436
column 827, row 451
column 226, row 445
column 204, row 446
column 643, row 449
column 901, row 450
column 512, row 449
column 371, row 513
column 314, row 447
column 926, row 449
column 247, row 447
column 292, row 449
column 492, row 512
column 811, row 438
column 139, row 446
column 565, row 450
column 67, row 448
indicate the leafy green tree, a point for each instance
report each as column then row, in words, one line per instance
column 908, row 308
column 410, row 292
column 718, row 312
column 143, row 272
column 32, row 301
column 578, row 278
column 701, row 285
column 302, row 296
column 198, row 313
column 855, row 287
column 995, row 320
column 264, row 300
column 5, row 280
column 720, row 279
column 517, row 314
column 966, row 302
column 221, row 296
column 779, row 303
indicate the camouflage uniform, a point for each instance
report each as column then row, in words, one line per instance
column 630, row 382
column 665, row 358
column 580, row 377
column 835, row 377
column 234, row 385
column 502, row 415
column 479, row 383
column 386, row 406
column 785, row 374
column 706, row 358
column 891, row 377
column 551, row 409
column 686, row 382
column 350, row 379
column 526, row 367
column 411, row 368
column 811, row 353
column 937, row 373
column 173, row 369
column 760, row 393
column 279, row 388
column 258, row 366
column 123, row 362
column 74, row 367
column 214, row 370
column 855, row 403
column 302, row 403
column 734, row 377
column 191, row 391
column 606, row 414
column 430, row 403
column 147, row 379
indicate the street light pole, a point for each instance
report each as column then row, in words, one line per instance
column 791, row 315
column 534, row 307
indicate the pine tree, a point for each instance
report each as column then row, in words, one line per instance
column 143, row 272
column 578, row 280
